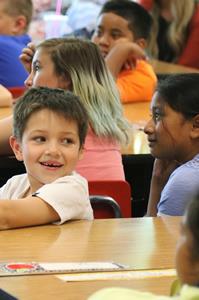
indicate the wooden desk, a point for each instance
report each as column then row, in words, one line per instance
column 138, row 112
column 5, row 112
column 138, row 143
column 144, row 243
column 161, row 67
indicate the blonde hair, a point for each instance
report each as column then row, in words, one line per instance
column 182, row 12
column 81, row 62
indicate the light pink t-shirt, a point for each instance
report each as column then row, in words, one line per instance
column 101, row 159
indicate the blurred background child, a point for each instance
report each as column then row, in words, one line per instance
column 175, row 32
column 15, row 19
column 122, row 33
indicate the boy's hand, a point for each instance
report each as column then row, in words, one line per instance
column 123, row 56
column 27, row 55
column 134, row 52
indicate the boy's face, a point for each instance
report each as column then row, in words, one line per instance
column 7, row 22
column 110, row 29
column 50, row 147
column 43, row 72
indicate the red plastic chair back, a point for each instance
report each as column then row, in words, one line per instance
column 17, row 91
column 120, row 191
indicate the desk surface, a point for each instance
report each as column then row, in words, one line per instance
column 144, row 243
column 161, row 67
column 138, row 114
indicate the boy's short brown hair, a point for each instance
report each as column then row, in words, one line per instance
column 139, row 20
column 57, row 100
column 19, row 7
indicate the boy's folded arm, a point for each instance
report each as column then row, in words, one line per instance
column 123, row 53
column 24, row 212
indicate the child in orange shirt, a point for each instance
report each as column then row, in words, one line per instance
column 122, row 31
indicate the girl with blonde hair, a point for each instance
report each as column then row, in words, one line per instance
column 175, row 33
column 78, row 66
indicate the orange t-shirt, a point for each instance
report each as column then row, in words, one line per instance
column 138, row 84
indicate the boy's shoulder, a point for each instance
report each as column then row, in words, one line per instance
column 14, row 40
column 15, row 187
column 17, row 178
column 74, row 176
column 18, row 185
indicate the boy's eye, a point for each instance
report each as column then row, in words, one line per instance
column 116, row 35
column 98, row 32
column 39, row 139
column 67, row 141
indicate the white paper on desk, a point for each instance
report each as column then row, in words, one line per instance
column 30, row 268
column 119, row 275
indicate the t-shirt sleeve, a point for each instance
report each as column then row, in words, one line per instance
column 137, row 85
column 177, row 192
column 69, row 197
column 14, row 188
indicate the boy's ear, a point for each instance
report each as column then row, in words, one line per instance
column 195, row 127
column 19, row 25
column 16, row 147
column 142, row 43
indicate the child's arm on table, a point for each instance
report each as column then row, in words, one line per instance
column 24, row 212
